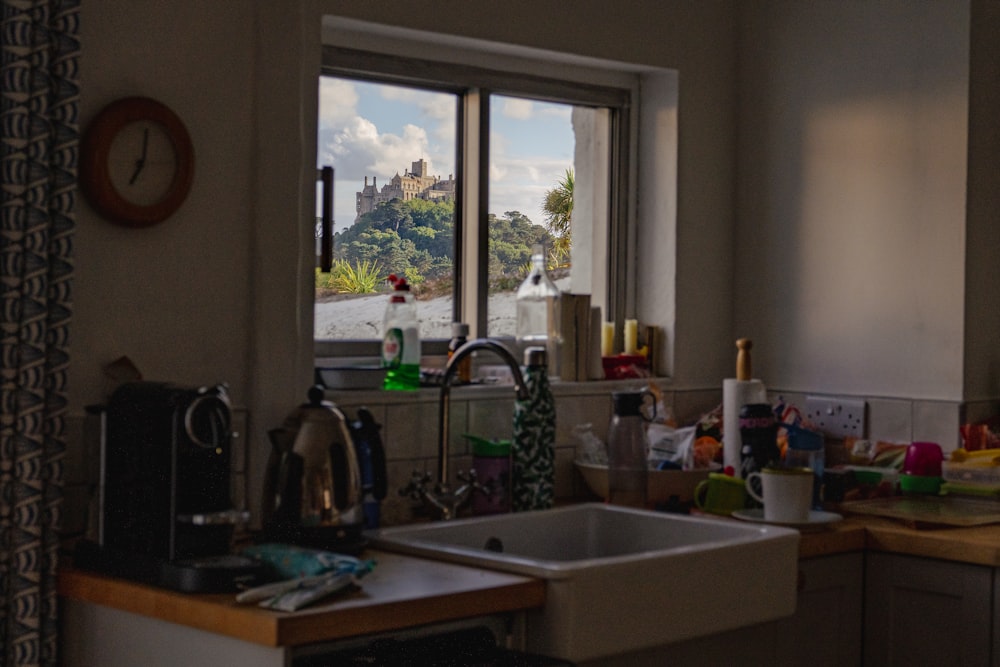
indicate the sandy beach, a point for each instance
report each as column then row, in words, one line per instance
column 361, row 316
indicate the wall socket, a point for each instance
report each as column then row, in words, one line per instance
column 837, row 417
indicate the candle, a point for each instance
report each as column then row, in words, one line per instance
column 608, row 339
column 631, row 336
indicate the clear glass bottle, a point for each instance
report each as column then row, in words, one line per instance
column 401, row 339
column 538, row 308
column 627, row 455
column 533, row 447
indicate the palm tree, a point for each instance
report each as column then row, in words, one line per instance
column 558, row 208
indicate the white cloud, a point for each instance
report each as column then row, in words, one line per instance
column 360, row 147
column 517, row 108
column 520, row 184
column 338, row 101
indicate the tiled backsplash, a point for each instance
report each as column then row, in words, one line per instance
column 410, row 432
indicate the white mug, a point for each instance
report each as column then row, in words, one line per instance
column 787, row 493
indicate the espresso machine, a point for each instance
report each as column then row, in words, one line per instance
column 165, row 514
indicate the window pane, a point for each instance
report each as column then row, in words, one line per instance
column 393, row 152
column 548, row 169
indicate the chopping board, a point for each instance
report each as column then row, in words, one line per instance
column 929, row 511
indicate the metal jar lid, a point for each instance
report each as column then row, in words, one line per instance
column 535, row 356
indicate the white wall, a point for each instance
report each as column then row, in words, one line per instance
column 982, row 269
column 222, row 290
column 852, row 120
column 173, row 297
column 850, row 269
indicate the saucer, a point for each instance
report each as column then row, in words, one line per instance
column 816, row 518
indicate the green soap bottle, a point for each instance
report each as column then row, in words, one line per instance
column 401, row 339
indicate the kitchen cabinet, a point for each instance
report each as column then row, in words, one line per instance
column 825, row 630
column 922, row 611
column 110, row 621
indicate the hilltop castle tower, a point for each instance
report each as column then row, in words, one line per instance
column 415, row 183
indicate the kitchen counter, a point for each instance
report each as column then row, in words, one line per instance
column 978, row 545
column 401, row 592
column 405, row 591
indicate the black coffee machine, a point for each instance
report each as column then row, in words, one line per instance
column 165, row 513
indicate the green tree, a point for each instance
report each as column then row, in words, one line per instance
column 416, row 238
column 558, row 210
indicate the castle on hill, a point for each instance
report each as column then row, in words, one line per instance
column 413, row 184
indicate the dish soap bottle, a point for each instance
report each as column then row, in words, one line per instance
column 401, row 339
column 538, row 308
column 627, row 456
column 533, row 448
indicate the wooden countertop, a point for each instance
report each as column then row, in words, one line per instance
column 978, row 545
column 406, row 591
column 401, row 592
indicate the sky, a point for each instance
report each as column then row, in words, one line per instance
column 376, row 130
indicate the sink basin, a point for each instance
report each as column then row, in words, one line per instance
column 621, row 579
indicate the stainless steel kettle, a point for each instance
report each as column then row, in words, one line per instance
column 312, row 492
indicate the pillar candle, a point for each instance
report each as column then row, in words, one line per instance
column 608, row 339
column 631, row 336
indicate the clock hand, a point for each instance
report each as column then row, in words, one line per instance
column 141, row 162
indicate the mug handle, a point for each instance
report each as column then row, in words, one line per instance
column 753, row 493
column 700, row 493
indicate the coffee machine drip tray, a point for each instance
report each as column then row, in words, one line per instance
column 206, row 574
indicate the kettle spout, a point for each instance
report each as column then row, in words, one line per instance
column 281, row 439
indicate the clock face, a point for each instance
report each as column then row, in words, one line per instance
column 136, row 162
column 142, row 162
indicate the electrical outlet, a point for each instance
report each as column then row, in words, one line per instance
column 837, row 417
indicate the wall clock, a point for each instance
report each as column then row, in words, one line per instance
column 136, row 162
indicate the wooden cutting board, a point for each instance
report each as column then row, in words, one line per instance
column 929, row 511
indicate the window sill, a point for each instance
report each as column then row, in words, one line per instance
column 560, row 388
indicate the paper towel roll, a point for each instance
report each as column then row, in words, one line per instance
column 736, row 394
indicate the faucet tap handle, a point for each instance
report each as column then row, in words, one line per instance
column 416, row 489
column 468, row 477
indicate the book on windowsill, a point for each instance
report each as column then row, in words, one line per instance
column 575, row 318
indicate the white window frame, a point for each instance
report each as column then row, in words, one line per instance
column 545, row 68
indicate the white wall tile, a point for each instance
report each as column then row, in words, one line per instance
column 937, row 421
column 890, row 420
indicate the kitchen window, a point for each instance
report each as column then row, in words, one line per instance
column 442, row 172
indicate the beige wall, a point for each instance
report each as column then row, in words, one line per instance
column 173, row 297
column 852, row 201
column 982, row 270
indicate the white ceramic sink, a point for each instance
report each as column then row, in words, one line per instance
column 621, row 579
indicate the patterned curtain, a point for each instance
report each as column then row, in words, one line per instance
column 39, row 96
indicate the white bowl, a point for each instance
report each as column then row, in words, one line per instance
column 351, row 377
column 660, row 485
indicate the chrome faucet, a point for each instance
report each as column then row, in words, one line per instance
column 442, row 498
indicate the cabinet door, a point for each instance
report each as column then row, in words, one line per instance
column 826, row 628
column 920, row 611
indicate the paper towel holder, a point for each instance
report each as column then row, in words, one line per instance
column 743, row 364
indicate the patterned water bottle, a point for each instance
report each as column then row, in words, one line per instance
column 533, row 449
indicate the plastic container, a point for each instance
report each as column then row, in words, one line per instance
column 491, row 461
column 985, row 474
column 806, row 449
column 923, row 459
column 627, row 455
column 401, row 339
column 926, row 484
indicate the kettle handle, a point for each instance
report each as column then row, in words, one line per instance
column 338, row 460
